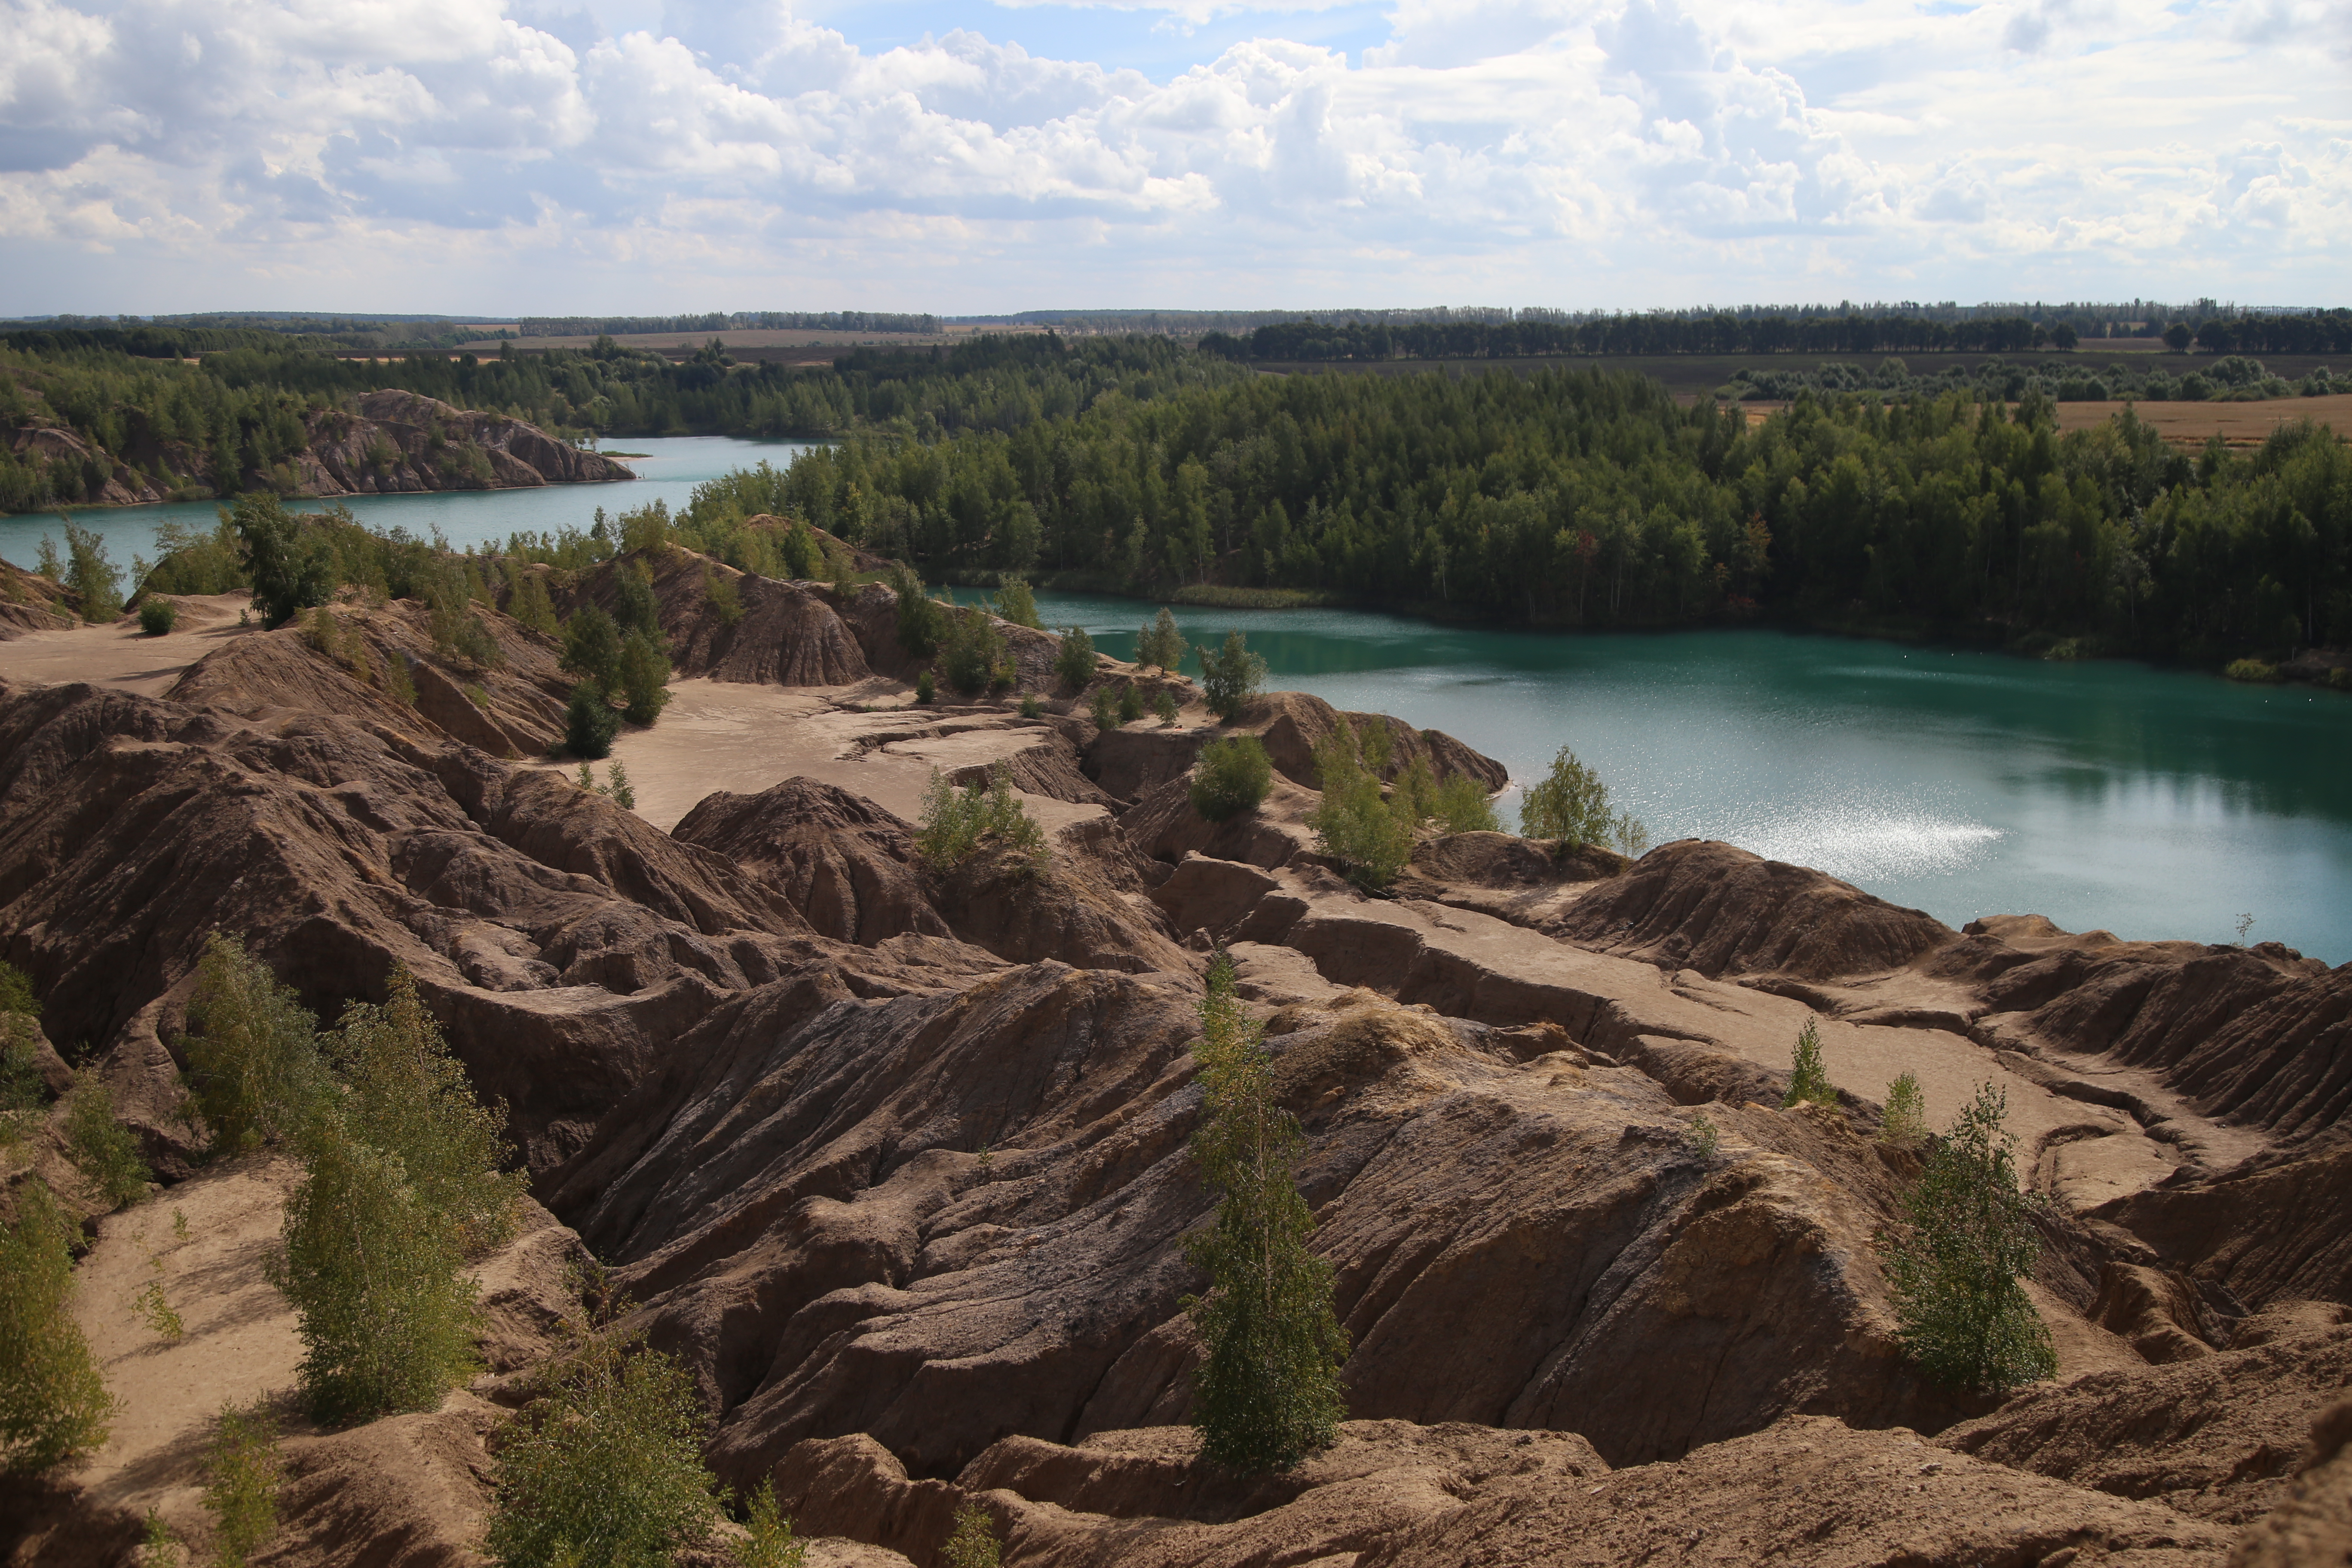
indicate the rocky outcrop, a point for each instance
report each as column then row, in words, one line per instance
column 31, row 602
column 1049, row 766
column 392, row 441
column 849, row 867
column 2272, row 1229
column 2312, row 1527
column 1289, row 723
column 787, row 634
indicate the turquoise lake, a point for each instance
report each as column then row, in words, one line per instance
column 2152, row 803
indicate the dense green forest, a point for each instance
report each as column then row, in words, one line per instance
column 1584, row 497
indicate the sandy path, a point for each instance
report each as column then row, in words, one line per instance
column 121, row 655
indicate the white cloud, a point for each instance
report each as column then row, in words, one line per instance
column 462, row 154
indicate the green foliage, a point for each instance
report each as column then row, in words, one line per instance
column 91, row 573
column 926, row 690
column 1104, row 709
column 242, row 1474
column 957, row 824
column 17, row 991
column 104, row 1152
column 1161, row 643
column 605, row 1468
column 1016, row 604
column 797, row 553
column 1809, row 1079
column 1032, row 707
column 592, row 644
column 53, row 1399
column 1130, row 703
column 1354, row 822
column 1705, row 1137
column 157, row 616
column 1569, row 804
column 154, row 1309
column 920, row 616
column 398, row 684
column 645, row 531
column 1231, row 677
column 254, row 1073
column 50, row 567
column 644, row 678
column 590, row 723
column 973, row 1543
column 1231, row 777
column 1073, row 662
column 387, row 1317
column 2254, row 672
column 725, row 598
column 411, row 1098
column 1904, row 1125
column 290, row 567
column 1268, row 1390
column 1954, row 1267
column 528, row 601
column 770, row 1542
column 23, row 1095
column 623, row 792
column 971, row 649
column 636, row 607
column 1163, row 707
column 1629, row 836
column 1462, row 805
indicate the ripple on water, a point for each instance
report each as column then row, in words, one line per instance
column 1864, row 841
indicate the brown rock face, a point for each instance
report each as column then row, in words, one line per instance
column 848, row 866
column 2313, row 1527
column 789, row 633
column 1289, row 723
column 2272, row 1229
column 405, row 441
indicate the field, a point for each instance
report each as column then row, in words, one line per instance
column 782, row 345
column 2239, row 425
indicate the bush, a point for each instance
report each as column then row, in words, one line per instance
column 2254, row 671
column 1130, row 703
column 1904, row 1125
column 589, row 723
column 254, row 1073
column 970, row 651
column 605, row 1468
column 1104, row 709
column 1706, row 1137
column 388, row 1318
column 104, row 1152
column 623, row 792
column 1030, row 707
column 526, row 599
column 410, row 1097
column 770, row 1542
column 1017, row 605
column 1163, row 705
column 1161, row 643
column 1954, row 1267
column 1809, row 1081
column 1268, row 1390
column 920, row 614
column 592, row 644
column 1231, row 678
column 290, row 568
column 635, row 606
column 1570, row 805
column 973, row 1543
column 16, row 993
column 2340, row 678
column 53, row 1399
column 927, row 690
column 726, row 600
column 91, row 573
column 1233, row 776
column 398, row 684
column 1354, row 822
column 241, row 1471
column 23, row 1095
column 1073, row 662
column 798, row 554
column 158, row 616
column 644, row 676
column 957, row 824
column 1461, row 807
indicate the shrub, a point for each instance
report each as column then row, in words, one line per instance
column 1130, row 703
column 475, row 644
column 644, row 676
column 1104, row 709
column 1809, row 1081
column 21, row 1093
column 920, row 614
column 241, row 1471
column 605, row 1468
column 526, row 599
column 1231, row 678
column 104, row 1152
column 1904, row 1125
column 1954, row 1265
column 623, row 792
column 91, row 573
column 1017, row 605
column 1267, row 1391
column 398, row 684
column 726, row 600
column 973, row 1543
column 1073, row 662
column 53, row 1399
column 970, row 651
column 1630, row 837
column 1461, row 807
column 1233, row 777
column 2252, row 671
column 254, row 1073
column 798, row 554
column 2340, row 678
column 927, row 690
column 157, row 616
column 16, row 993
column 1705, row 1137
column 1570, row 805
column 957, row 824
column 1030, row 707
column 770, row 1542
column 592, row 644
column 635, row 606
column 410, row 1097
column 387, row 1316
column 1161, row 643
column 1375, row 745
column 589, row 723
column 1354, row 822
column 1163, row 704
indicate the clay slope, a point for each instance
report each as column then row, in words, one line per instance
column 398, row 441
column 788, row 634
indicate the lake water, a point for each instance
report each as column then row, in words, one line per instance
column 672, row 467
column 2152, row 803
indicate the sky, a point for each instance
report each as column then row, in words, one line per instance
column 542, row 157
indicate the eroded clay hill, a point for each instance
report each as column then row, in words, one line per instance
column 894, row 1158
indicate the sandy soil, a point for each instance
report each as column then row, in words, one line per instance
column 121, row 655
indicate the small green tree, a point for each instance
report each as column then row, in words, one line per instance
column 290, row 565
column 1160, row 644
column 1955, row 1266
column 971, row 649
column 1163, row 705
column 770, row 1543
column 242, row 1472
column 1809, row 1081
column 93, row 574
column 53, row 1399
column 636, row 607
column 1104, row 710
column 592, row 644
column 1904, row 1125
column 1463, row 806
column 1130, row 703
column 926, row 691
column 1233, row 776
column 605, row 1468
column 1073, row 662
column 1569, row 804
column 1017, row 605
column 104, row 1152
column 957, row 824
column 1354, row 822
column 254, row 1073
column 23, row 1095
column 1628, row 834
column 1267, row 1389
column 973, row 1543
column 589, row 721
column 920, row 614
column 1231, row 677
column 644, row 676
column 527, row 598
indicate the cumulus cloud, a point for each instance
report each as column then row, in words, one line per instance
column 1575, row 150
